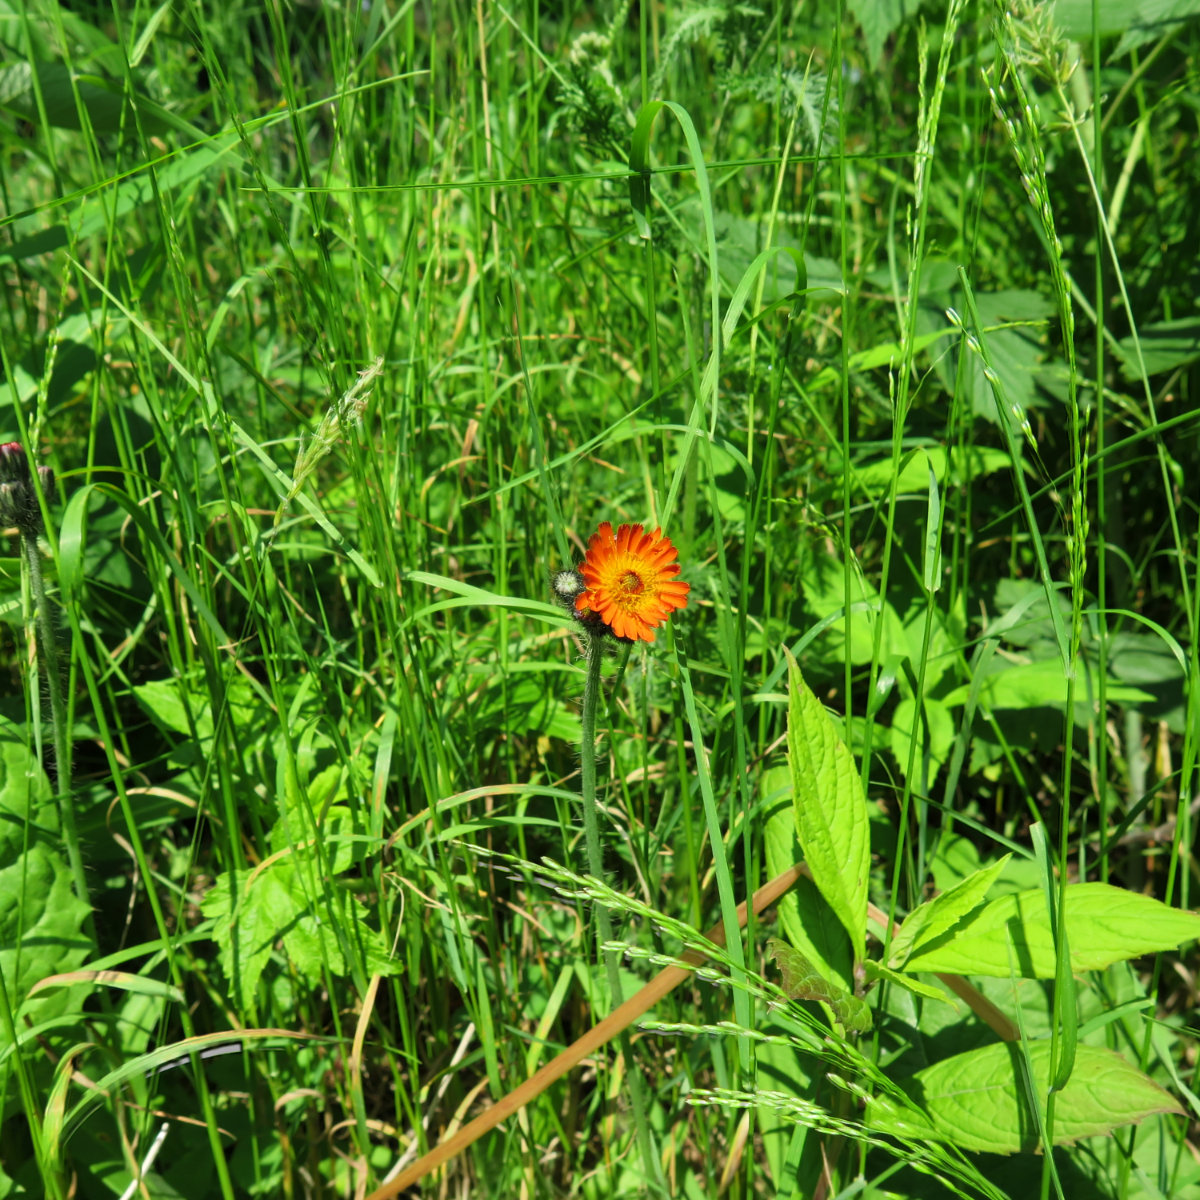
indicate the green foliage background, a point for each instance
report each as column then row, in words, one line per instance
column 342, row 327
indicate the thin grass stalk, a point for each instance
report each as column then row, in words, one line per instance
column 51, row 1176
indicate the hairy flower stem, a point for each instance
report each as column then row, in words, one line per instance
column 587, row 764
column 595, row 857
column 46, row 642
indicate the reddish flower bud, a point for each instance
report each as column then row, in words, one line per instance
column 14, row 465
column 18, row 500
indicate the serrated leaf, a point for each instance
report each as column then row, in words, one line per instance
column 274, row 907
column 831, row 810
column 41, row 918
column 979, row 1100
column 277, row 906
column 933, row 918
column 243, row 932
column 336, row 832
column 806, row 919
column 802, row 981
column 1013, row 935
column 879, row 19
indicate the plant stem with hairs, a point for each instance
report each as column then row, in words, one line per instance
column 626, row 587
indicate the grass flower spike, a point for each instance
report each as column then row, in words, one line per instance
column 631, row 580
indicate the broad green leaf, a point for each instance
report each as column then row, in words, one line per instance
column 802, row 981
column 1025, row 618
column 91, row 210
column 41, row 928
column 936, row 732
column 824, row 586
column 930, row 920
column 807, row 920
column 782, row 1069
column 979, row 1101
column 309, row 936
column 1145, row 659
column 937, row 641
column 521, row 702
column 1012, row 934
column 1139, row 20
column 1165, row 346
column 879, row 20
column 970, row 463
column 274, row 907
column 831, row 810
column 294, row 829
column 785, row 271
column 885, row 354
column 954, row 860
column 1037, row 684
column 244, row 934
column 107, row 104
column 1012, row 322
column 27, row 809
column 41, row 919
column 170, row 703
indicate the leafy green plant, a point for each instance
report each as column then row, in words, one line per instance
column 1015, row 1095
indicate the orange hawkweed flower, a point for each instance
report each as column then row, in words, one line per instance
column 630, row 578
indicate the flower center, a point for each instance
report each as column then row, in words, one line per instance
column 630, row 583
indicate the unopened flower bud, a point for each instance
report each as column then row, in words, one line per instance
column 18, row 500
column 12, row 502
column 14, row 466
column 567, row 585
column 49, row 487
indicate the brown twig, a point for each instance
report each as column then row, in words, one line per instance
column 619, row 1019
